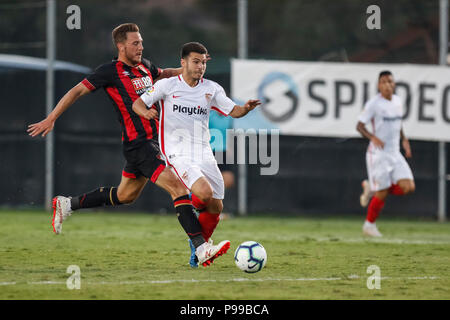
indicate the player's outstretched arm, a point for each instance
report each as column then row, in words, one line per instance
column 47, row 125
column 366, row 134
column 405, row 144
column 169, row 72
column 140, row 108
column 240, row 111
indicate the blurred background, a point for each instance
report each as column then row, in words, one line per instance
column 317, row 175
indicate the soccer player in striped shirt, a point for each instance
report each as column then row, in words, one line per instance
column 124, row 79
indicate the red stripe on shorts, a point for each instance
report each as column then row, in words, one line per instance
column 128, row 175
column 157, row 172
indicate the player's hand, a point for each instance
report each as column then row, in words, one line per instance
column 43, row 127
column 151, row 114
column 407, row 148
column 252, row 104
column 377, row 142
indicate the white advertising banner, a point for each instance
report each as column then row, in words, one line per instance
column 326, row 98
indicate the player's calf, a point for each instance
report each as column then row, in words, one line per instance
column 103, row 196
column 64, row 206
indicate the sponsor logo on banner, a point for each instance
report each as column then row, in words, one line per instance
column 326, row 98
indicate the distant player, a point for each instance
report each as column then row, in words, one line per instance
column 124, row 79
column 186, row 102
column 387, row 169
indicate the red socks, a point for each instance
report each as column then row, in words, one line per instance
column 197, row 203
column 375, row 206
column 396, row 190
column 209, row 223
column 207, row 220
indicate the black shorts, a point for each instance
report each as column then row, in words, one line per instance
column 144, row 160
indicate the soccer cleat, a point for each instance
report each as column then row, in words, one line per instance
column 371, row 230
column 364, row 198
column 208, row 252
column 193, row 262
column 61, row 210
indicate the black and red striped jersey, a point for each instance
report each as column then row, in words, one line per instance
column 124, row 84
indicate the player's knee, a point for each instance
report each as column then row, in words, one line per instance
column 205, row 194
column 180, row 191
column 411, row 187
column 127, row 197
column 177, row 189
column 408, row 187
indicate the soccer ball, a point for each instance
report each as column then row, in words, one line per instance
column 250, row 256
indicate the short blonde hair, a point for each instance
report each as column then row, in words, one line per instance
column 119, row 34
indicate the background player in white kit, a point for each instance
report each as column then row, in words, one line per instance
column 186, row 101
column 387, row 169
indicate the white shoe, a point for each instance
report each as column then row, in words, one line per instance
column 61, row 210
column 371, row 230
column 207, row 252
column 364, row 198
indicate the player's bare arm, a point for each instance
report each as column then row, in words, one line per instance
column 366, row 134
column 405, row 144
column 240, row 111
column 47, row 125
column 169, row 72
column 140, row 108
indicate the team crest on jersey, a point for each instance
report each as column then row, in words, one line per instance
column 142, row 68
column 208, row 97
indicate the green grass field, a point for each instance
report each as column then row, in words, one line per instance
column 143, row 256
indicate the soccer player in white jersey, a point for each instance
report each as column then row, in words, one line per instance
column 186, row 101
column 387, row 169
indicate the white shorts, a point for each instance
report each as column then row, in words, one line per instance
column 189, row 171
column 386, row 168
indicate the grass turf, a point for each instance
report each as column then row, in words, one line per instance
column 144, row 256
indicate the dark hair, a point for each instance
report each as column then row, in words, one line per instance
column 119, row 34
column 384, row 73
column 192, row 47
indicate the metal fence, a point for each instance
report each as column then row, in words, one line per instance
column 317, row 175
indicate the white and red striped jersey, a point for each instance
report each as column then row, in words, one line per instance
column 385, row 117
column 184, row 116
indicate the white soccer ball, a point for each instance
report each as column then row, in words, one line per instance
column 250, row 256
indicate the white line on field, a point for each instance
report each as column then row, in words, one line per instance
column 377, row 240
column 350, row 277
